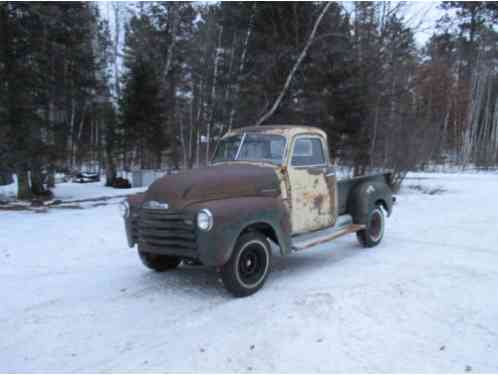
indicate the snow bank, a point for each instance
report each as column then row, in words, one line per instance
column 9, row 191
column 76, row 191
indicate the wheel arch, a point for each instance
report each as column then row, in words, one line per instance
column 235, row 216
column 366, row 196
column 264, row 228
column 382, row 203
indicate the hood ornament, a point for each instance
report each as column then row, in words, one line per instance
column 155, row 205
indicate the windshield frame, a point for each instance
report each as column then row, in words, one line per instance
column 242, row 140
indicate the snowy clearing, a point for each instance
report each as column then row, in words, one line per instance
column 69, row 191
column 76, row 298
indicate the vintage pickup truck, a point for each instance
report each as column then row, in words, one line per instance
column 269, row 184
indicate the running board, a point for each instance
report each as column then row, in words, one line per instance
column 344, row 226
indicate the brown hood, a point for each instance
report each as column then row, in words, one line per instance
column 212, row 183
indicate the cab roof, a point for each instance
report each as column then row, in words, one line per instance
column 285, row 130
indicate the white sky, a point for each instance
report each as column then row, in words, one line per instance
column 422, row 16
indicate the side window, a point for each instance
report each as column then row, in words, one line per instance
column 308, row 151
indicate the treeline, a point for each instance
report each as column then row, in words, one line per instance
column 54, row 100
column 189, row 72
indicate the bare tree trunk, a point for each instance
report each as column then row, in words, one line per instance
column 116, row 7
column 241, row 66
column 228, row 87
column 182, row 141
column 78, row 139
column 198, row 148
column 71, row 133
column 198, row 117
column 227, row 93
column 190, row 134
column 174, row 26
column 213, row 94
column 301, row 57
column 375, row 126
column 23, row 188
column 36, row 178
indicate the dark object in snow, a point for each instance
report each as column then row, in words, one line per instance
column 468, row 368
column 121, row 183
column 38, row 206
column 6, row 178
column 84, row 177
column 36, row 203
column 442, row 348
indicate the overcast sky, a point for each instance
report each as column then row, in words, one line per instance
column 422, row 15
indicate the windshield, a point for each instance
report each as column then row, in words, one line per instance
column 251, row 147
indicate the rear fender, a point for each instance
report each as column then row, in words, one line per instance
column 366, row 196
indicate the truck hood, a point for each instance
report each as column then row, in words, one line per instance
column 213, row 183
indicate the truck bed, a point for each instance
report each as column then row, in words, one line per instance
column 346, row 186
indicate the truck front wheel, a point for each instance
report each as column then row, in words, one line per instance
column 247, row 269
column 159, row 263
column 373, row 233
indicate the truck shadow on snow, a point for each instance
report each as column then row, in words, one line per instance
column 203, row 281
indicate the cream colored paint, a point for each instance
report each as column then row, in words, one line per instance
column 310, row 200
column 312, row 206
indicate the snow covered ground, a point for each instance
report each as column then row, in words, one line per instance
column 75, row 298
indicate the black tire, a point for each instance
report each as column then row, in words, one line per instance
column 374, row 232
column 248, row 267
column 159, row 263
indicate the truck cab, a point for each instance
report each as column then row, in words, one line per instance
column 269, row 184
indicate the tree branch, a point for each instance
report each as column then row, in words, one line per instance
column 301, row 57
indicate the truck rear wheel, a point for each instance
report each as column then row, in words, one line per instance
column 248, row 267
column 373, row 233
column 159, row 263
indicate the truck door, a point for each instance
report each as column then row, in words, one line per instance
column 312, row 201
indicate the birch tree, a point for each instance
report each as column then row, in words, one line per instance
column 298, row 62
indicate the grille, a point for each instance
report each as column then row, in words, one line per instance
column 167, row 230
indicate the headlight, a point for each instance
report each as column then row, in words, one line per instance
column 124, row 209
column 205, row 219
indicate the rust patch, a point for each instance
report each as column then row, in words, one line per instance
column 332, row 189
column 214, row 183
column 318, row 201
column 315, row 171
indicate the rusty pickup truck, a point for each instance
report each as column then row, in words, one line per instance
column 264, row 185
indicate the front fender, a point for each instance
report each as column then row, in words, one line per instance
column 231, row 217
